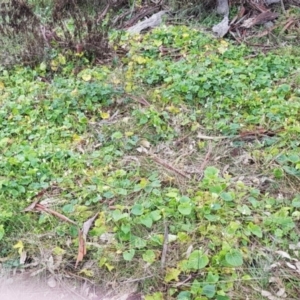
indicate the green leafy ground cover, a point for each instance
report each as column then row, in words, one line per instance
column 187, row 147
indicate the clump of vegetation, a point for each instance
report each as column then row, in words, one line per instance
column 176, row 166
column 193, row 186
column 31, row 36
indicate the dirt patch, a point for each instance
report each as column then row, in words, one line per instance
column 24, row 287
column 48, row 287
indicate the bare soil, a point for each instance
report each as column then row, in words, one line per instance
column 23, row 286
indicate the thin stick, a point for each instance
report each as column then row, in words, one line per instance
column 38, row 196
column 137, row 279
column 206, row 159
column 282, row 7
column 182, row 139
column 142, row 100
column 166, row 165
column 41, row 207
column 213, row 138
column 159, row 161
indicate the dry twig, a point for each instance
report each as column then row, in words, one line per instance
column 38, row 196
column 206, row 159
column 159, row 161
column 41, row 207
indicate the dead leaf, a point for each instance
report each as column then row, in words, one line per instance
column 51, row 282
column 144, row 143
column 275, row 265
column 31, row 207
column 189, row 251
column 269, row 295
column 142, row 150
column 283, row 254
column 82, row 239
column 38, row 196
column 23, row 257
column 50, row 264
column 291, row 266
column 81, row 248
column 87, row 225
column 281, row 293
column 294, row 246
column 205, row 137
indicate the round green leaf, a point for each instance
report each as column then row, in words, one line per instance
column 255, row 229
column 184, row 295
column 138, row 242
column 209, row 291
column 155, row 215
column 234, row 258
column 245, row 210
column 197, row 260
column 146, row 220
column 125, row 228
column 212, row 278
column 226, row 196
column 211, row 172
column 137, row 210
column 149, row 256
column 68, row 208
column 118, row 215
column 128, row 255
column 294, row 158
column 185, row 209
column 117, row 135
column 278, row 173
column 296, row 202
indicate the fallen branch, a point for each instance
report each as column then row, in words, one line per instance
column 213, row 138
column 41, row 207
column 103, row 13
column 159, row 161
column 206, row 159
column 141, row 15
column 154, row 21
column 38, row 196
column 265, row 32
column 260, row 19
column 288, row 24
column 141, row 100
column 179, row 141
column 189, row 277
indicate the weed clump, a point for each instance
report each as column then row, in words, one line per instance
column 68, row 29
